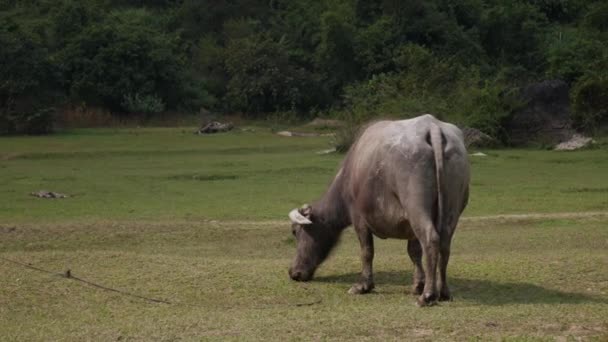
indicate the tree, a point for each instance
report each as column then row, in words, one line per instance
column 124, row 55
column 262, row 78
column 511, row 33
column 26, row 81
column 335, row 54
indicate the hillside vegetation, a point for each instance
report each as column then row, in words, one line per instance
column 461, row 60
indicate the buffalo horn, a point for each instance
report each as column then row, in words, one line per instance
column 298, row 218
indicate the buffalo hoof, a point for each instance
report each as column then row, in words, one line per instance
column 427, row 299
column 445, row 296
column 417, row 289
column 361, row 288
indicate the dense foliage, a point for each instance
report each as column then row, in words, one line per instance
column 360, row 58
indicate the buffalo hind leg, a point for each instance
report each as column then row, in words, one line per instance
column 414, row 249
column 444, row 258
column 366, row 282
column 429, row 240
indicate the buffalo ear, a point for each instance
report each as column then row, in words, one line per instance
column 306, row 211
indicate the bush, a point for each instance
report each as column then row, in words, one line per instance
column 26, row 77
column 146, row 104
column 262, row 78
column 571, row 52
column 427, row 84
column 375, row 46
column 127, row 53
column 486, row 107
column 36, row 121
column 590, row 102
column 421, row 85
column 335, row 52
column 346, row 135
column 512, row 31
column 597, row 16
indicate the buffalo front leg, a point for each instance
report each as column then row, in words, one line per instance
column 414, row 250
column 366, row 282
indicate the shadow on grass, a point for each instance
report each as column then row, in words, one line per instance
column 478, row 290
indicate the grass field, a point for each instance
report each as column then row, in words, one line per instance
column 199, row 222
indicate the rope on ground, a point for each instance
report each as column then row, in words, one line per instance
column 68, row 275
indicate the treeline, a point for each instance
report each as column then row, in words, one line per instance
column 460, row 59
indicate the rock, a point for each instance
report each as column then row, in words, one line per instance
column 479, row 154
column 48, row 194
column 285, row 133
column 476, row 138
column 576, row 142
column 215, row 127
column 328, row 151
column 302, row 134
column 545, row 115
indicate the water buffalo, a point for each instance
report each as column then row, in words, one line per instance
column 405, row 179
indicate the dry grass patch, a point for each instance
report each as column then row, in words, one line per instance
column 525, row 279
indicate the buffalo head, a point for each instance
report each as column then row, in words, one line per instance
column 314, row 240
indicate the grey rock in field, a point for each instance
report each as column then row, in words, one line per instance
column 285, row 133
column 476, row 138
column 302, row 134
column 544, row 115
column 48, row 194
column 328, row 151
column 479, row 154
column 577, row 141
column 215, row 127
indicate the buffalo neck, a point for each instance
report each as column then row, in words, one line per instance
column 331, row 209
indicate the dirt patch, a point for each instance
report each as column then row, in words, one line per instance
column 419, row 332
column 9, row 229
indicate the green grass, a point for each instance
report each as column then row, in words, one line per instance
column 530, row 278
column 200, row 222
column 172, row 174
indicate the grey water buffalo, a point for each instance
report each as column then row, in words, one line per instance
column 405, row 179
